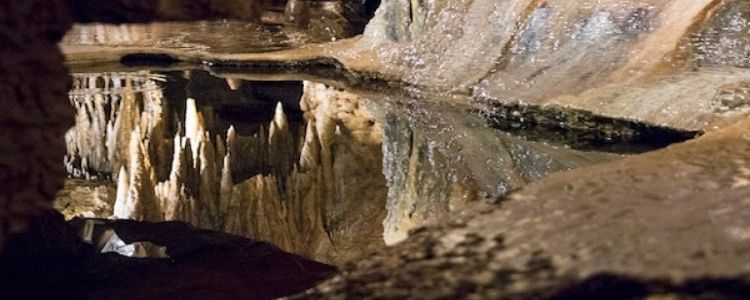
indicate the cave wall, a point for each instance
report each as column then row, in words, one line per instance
column 457, row 43
column 35, row 112
column 621, row 59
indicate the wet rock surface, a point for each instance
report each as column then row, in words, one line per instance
column 438, row 158
column 50, row 261
column 671, row 223
column 623, row 60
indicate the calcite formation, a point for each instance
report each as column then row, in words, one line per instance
column 662, row 224
column 86, row 199
column 317, row 192
column 35, row 81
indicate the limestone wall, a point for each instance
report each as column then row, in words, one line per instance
column 623, row 59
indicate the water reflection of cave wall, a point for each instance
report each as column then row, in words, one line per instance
column 437, row 159
column 231, row 159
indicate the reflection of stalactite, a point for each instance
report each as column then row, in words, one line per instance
column 280, row 146
column 136, row 198
column 100, row 34
column 109, row 106
column 200, row 187
column 276, row 185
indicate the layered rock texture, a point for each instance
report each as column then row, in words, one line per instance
column 662, row 62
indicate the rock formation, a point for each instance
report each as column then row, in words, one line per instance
column 36, row 82
column 471, row 211
column 35, row 112
column 621, row 59
column 671, row 223
column 317, row 192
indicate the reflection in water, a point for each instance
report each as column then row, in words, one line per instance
column 245, row 37
column 315, row 170
column 438, row 158
column 235, row 156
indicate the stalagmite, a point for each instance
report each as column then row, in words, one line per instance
column 284, row 188
column 109, row 106
column 194, row 126
column 123, row 208
column 172, row 192
column 225, row 190
column 208, row 196
column 221, row 152
column 309, row 158
column 280, row 145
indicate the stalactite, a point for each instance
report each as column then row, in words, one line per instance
column 194, row 126
column 275, row 184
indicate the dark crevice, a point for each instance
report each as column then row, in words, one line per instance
column 614, row 287
column 580, row 129
column 149, row 59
